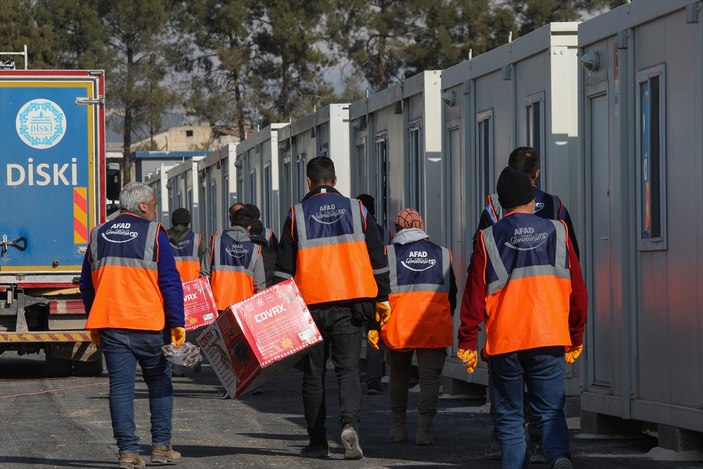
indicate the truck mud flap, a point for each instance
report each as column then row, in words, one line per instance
column 75, row 351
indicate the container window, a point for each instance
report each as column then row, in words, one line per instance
column 534, row 123
column 382, row 191
column 301, row 162
column 268, row 193
column 484, row 151
column 415, row 186
column 651, row 158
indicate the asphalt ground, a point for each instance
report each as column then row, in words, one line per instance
column 64, row 422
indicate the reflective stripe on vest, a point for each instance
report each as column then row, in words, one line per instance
column 528, row 284
column 332, row 260
column 419, row 299
column 125, row 275
column 232, row 273
column 186, row 256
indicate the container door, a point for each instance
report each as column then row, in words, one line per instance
column 48, row 172
column 600, row 231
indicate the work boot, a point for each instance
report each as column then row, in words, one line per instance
column 316, row 450
column 399, row 431
column 164, row 454
column 350, row 441
column 424, row 424
column 130, row 461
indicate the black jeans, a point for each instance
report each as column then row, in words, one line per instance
column 342, row 340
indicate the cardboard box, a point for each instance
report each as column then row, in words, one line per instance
column 258, row 337
column 199, row 303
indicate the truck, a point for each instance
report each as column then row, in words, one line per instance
column 53, row 189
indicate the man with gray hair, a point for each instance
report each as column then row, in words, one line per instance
column 133, row 295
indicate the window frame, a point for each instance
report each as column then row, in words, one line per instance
column 645, row 159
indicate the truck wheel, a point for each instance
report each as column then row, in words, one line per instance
column 57, row 367
column 94, row 368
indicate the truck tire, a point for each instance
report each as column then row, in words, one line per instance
column 93, row 368
column 55, row 367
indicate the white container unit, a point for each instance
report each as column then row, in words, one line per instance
column 183, row 190
column 640, row 90
column 523, row 93
column 395, row 148
column 218, row 186
column 324, row 132
column 257, row 174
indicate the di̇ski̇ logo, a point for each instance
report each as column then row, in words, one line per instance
column 41, row 123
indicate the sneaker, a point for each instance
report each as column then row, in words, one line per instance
column 164, row 454
column 563, row 463
column 315, row 450
column 350, row 441
column 130, row 461
column 374, row 389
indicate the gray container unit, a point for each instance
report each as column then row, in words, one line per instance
column 257, row 174
column 147, row 162
column 396, row 150
column 523, row 93
column 159, row 184
column 640, row 90
column 218, row 188
column 324, row 132
column 183, row 190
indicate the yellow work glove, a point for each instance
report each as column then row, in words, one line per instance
column 383, row 312
column 95, row 336
column 373, row 338
column 178, row 336
column 571, row 353
column 469, row 357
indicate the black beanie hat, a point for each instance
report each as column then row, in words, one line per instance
column 180, row 216
column 514, row 188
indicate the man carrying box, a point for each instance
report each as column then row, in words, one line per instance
column 332, row 248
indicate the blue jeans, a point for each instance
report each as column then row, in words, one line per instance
column 123, row 348
column 342, row 340
column 542, row 371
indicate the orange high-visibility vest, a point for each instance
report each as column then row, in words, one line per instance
column 232, row 271
column 124, row 270
column 186, row 256
column 529, row 284
column 332, row 261
column 420, row 282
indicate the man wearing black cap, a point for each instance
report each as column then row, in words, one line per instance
column 525, row 284
column 184, row 242
column 262, row 230
column 188, row 251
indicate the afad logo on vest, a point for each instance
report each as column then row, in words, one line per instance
column 538, row 206
column 525, row 239
column 119, row 233
column 329, row 214
column 237, row 251
column 181, row 245
column 417, row 261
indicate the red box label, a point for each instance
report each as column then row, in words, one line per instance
column 198, row 303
